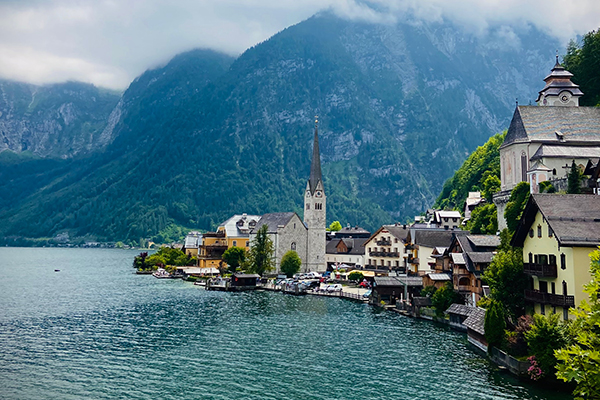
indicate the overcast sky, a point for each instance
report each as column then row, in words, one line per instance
column 110, row 42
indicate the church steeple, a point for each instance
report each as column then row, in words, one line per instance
column 315, row 167
column 559, row 90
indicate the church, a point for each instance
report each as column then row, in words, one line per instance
column 288, row 232
column 543, row 141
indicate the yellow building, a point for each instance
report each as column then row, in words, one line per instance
column 557, row 233
column 235, row 232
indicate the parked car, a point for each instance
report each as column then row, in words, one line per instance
column 336, row 287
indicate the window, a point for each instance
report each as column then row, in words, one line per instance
column 307, row 206
column 543, row 286
column 542, row 309
column 554, row 171
column 523, row 167
column 539, row 229
column 453, row 219
column 294, row 225
column 530, row 258
column 293, row 246
column 553, row 287
column 235, row 243
column 543, row 259
column 550, row 232
column 563, row 261
column 531, row 233
column 564, row 288
column 247, row 243
column 552, row 260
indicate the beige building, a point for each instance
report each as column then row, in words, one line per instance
column 557, row 233
column 385, row 248
column 542, row 141
column 420, row 246
column 346, row 251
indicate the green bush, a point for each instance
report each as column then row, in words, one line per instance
column 546, row 335
column 495, row 324
column 356, row 276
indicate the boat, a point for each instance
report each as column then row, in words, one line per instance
column 162, row 273
column 200, row 282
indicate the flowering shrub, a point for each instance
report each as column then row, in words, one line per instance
column 534, row 371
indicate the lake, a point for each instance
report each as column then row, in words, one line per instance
column 95, row 330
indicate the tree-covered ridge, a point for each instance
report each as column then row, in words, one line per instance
column 583, row 61
column 480, row 172
column 205, row 137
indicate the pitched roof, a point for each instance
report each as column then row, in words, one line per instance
column 460, row 309
column 274, row 220
column 434, row 237
column 394, row 281
column 400, row 232
column 439, row 276
column 558, row 151
column 351, row 231
column 315, row 166
column 356, row 246
column 484, row 240
column 476, row 320
column 481, row 257
column 240, row 225
column 534, row 123
column 574, row 218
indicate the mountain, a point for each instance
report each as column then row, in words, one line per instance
column 59, row 121
column 400, row 107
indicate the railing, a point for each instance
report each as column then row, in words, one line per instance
column 413, row 260
column 409, row 247
column 384, row 242
column 464, row 288
column 548, row 298
column 541, row 270
column 384, row 254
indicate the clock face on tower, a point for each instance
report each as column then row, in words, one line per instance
column 319, row 193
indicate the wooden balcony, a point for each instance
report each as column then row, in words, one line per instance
column 540, row 270
column 384, row 242
column 536, row 296
column 384, row 254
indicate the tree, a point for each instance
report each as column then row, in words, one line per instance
column 491, row 184
column 444, row 297
column 547, row 187
column 484, row 220
column 495, row 323
column 574, row 179
column 234, row 257
column 139, row 262
column 545, row 336
column 507, row 281
column 335, row 226
column 583, row 61
column 356, row 276
column 515, row 206
column 580, row 361
column 290, row 263
column 260, row 257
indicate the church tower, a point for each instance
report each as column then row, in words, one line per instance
column 315, row 211
column 559, row 90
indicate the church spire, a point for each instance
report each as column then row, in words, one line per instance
column 559, row 90
column 315, row 167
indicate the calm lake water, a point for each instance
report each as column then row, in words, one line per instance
column 95, row 330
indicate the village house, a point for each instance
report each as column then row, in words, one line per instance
column 191, row 244
column 346, row 252
column 420, row 244
column 384, row 250
column 557, row 233
column 469, row 255
column 234, row 232
column 543, row 141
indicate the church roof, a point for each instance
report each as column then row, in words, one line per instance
column 273, row 221
column 558, row 151
column 315, row 167
column 555, row 125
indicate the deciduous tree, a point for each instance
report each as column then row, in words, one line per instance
column 290, row 263
column 507, row 281
column 515, row 206
column 234, row 257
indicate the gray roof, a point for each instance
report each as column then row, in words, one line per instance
column 433, row 237
column 476, row 320
column 315, row 166
column 399, row 231
column 558, row 81
column 395, row 281
column 540, row 124
column 246, row 276
column 481, row 257
column 558, row 151
column 439, row 277
column 240, row 225
column 352, row 230
column 457, row 258
column 273, row 220
column 354, row 245
column 460, row 309
column 484, row 240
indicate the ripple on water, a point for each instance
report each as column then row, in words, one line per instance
column 97, row 331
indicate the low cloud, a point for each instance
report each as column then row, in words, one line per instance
column 109, row 42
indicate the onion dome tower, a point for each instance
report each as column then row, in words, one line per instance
column 559, row 90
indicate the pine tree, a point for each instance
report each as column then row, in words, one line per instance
column 261, row 252
column 574, row 180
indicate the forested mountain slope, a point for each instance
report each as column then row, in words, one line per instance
column 400, row 107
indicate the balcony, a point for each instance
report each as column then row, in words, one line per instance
column 384, row 254
column 384, row 242
column 413, row 260
column 409, row 247
column 540, row 270
column 548, row 298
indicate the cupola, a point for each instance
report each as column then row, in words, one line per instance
column 559, row 90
